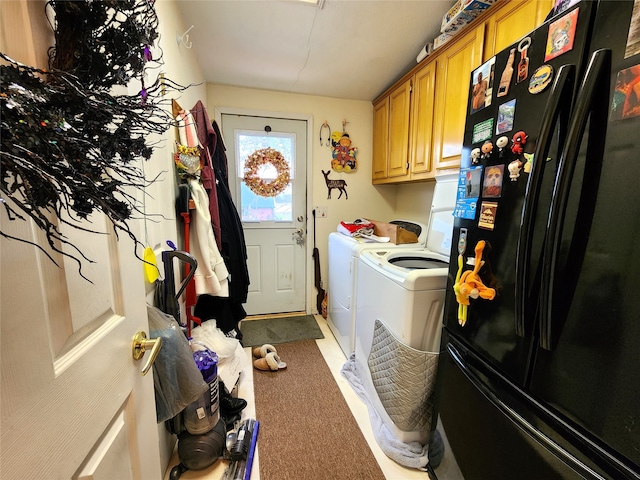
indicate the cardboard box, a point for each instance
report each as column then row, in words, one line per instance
column 441, row 39
column 396, row 233
column 462, row 13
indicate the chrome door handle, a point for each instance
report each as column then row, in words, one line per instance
column 299, row 233
column 141, row 344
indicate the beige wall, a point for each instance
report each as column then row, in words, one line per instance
column 384, row 203
column 181, row 66
column 365, row 200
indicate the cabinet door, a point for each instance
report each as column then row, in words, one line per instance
column 422, row 122
column 511, row 21
column 399, row 116
column 453, row 74
column 380, row 139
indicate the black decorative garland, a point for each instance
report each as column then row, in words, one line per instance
column 69, row 145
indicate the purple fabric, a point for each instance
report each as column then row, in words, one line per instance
column 208, row 138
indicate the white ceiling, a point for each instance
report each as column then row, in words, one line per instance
column 351, row 49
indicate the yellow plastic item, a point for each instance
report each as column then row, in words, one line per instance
column 150, row 265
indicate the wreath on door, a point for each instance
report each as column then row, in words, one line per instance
column 253, row 180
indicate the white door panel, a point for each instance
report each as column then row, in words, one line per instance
column 73, row 399
column 276, row 251
column 74, row 404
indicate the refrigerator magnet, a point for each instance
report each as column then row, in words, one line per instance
column 502, row 143
column 482, row 86
column 468, row 192
column 506, row 113
column 492, row 183
column 487, row 148
column 529, row 162
column 514, row 170
column 507, row 73
column 519, row 140
column 541, row 79
column 475, row 156
column 561, row 35
column 523, row 64
column 482, row 131
column 487, row 215
column 462, row 241
column 626, row 96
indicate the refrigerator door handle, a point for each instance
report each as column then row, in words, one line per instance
column 592, row 105
column 556, row 113
column 512, row 414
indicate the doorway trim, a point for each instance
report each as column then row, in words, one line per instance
column 219, row 111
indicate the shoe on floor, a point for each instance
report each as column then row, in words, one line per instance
column 271, row 362
column 229, row 405
column 261, row 352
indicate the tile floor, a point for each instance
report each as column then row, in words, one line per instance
column 335, row 358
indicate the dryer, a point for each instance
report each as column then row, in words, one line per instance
column 400, row 303
column 343, row 254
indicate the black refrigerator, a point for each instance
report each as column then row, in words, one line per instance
column 539, row 374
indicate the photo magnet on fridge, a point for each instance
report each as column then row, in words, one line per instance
column 482, row 86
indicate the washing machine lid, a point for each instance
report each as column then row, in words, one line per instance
column 413, row 270
column 440, row 230
column 414, row 262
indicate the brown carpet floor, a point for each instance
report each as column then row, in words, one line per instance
column 307, row 431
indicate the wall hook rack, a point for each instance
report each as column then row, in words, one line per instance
column 184, row 38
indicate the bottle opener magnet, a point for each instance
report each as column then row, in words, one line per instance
column 523, row 65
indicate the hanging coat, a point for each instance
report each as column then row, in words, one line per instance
column 207, row 139
column 211, row 276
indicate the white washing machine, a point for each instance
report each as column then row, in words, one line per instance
column 343, row 254
column 400, row 303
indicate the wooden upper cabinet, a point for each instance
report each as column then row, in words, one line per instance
column 418, row 124
column 511, row 20
column 421, row 160
column 453, row 77
column 380, row 139
column 399, row 117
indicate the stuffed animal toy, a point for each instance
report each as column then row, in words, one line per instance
column 469, row 285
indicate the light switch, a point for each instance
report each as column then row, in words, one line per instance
column 321, row 211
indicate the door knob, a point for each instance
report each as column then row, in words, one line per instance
column 141, row 344
column 299, row 236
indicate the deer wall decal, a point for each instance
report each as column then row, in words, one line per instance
column 331, row 184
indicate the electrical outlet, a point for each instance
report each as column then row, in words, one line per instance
column 321, row 211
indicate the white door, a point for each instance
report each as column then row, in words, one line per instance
column 274, row 227
column 74, row 404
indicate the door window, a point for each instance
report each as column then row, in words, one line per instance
column 255, row 207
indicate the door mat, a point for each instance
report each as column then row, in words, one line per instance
column 307, row 430
column 279, row 330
